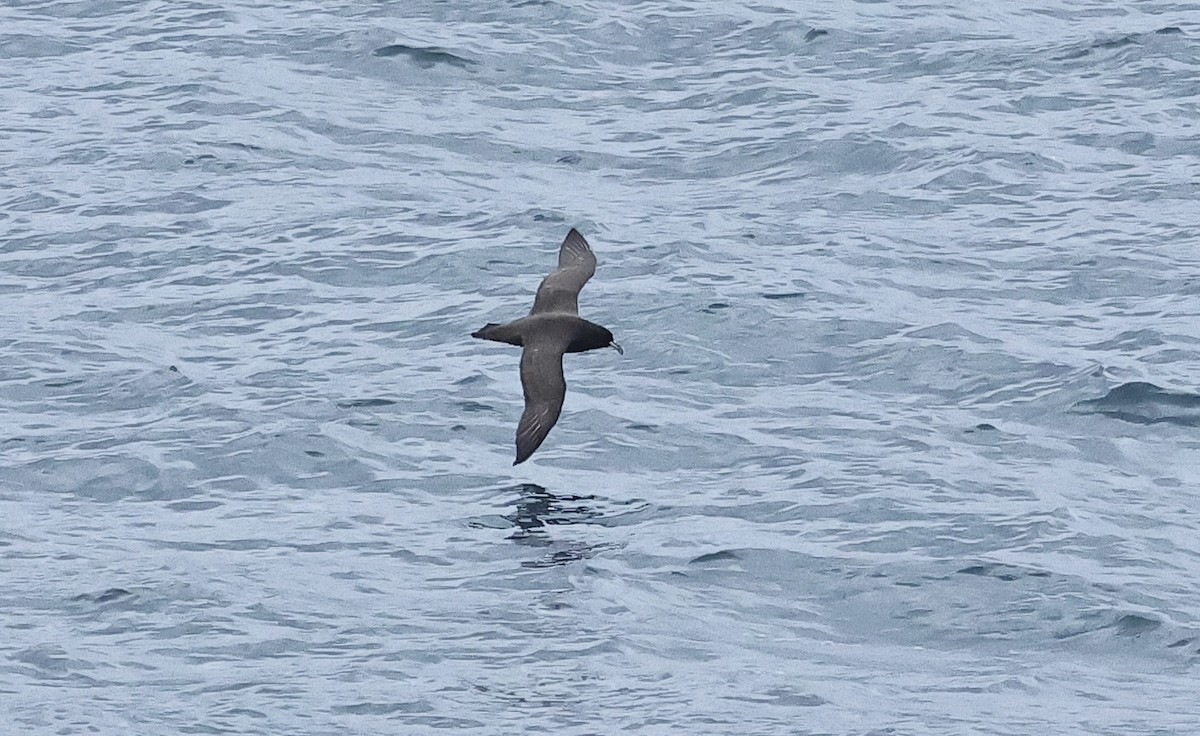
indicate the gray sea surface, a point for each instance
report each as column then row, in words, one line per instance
column 905, row 439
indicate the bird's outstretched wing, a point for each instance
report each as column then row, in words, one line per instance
column 559, row 292
column 545, row 389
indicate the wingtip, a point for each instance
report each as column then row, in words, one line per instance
column 575, row 239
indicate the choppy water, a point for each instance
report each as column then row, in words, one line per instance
column 904, row 441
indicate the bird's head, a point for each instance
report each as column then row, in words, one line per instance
column 609, row 342
column 593, row 337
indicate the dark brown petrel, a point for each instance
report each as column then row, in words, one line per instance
column 552, row 328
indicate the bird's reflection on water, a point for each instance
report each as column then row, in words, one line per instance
column 538, row 508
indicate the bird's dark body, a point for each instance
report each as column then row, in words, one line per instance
column 577, row 333
column 552, row 328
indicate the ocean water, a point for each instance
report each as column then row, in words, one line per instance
column 905, row 439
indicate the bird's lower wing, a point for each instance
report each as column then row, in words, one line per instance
column 545, row 389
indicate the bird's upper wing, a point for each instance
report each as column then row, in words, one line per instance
column 545, row 389
column 559, row 292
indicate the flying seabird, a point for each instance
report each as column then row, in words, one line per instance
column 552, row 328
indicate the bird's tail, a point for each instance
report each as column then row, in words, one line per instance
column 499, row 333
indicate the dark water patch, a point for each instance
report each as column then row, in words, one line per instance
column 1130, row 339
column 1111, row 44
column 779, row 696
column 66, row 383
column 105, row 596
column 1007, row 573
column 474, row 407
column 1145, row 403
column 1115, row 43
column 564, row 556
column 365, row 403
column 377, row 709
column 30, row 202
column 194, row 505
column 1133, row 625
column 720, row 556
column 1124, row 625
column 176, row 203
column 424, row 57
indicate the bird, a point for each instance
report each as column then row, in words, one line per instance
column 553, row 327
